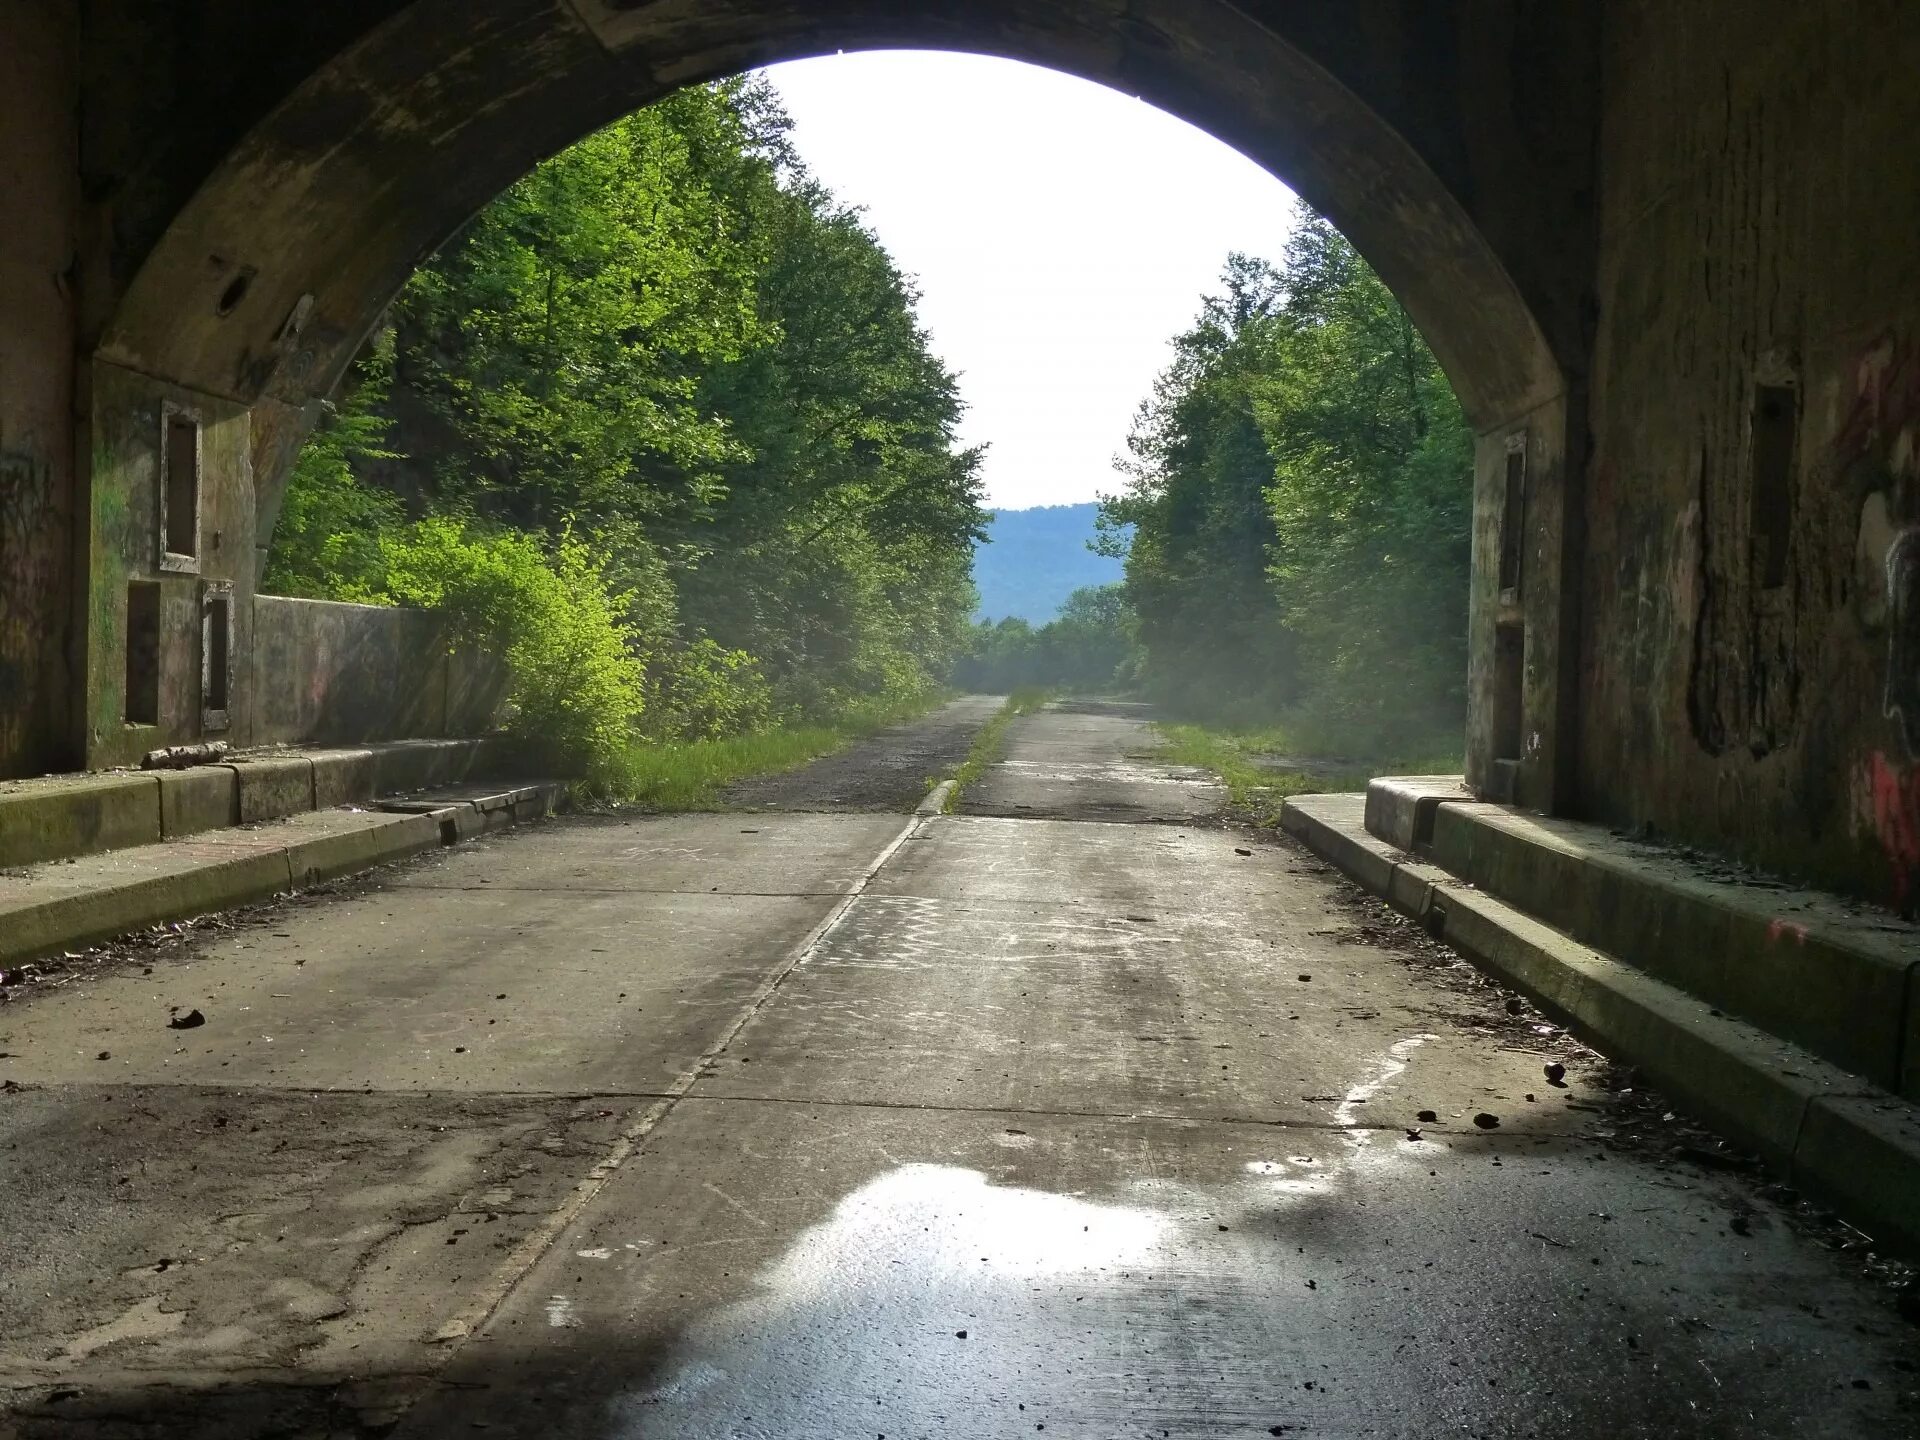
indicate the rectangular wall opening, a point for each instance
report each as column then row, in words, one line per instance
column 1513, row 518
column 143, row 653
column 179, row 490
column 1775, row 425
column 1509, row 675
column 216, row 656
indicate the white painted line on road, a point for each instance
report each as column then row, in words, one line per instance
column 522, row 1258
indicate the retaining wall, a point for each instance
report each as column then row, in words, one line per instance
column 329, row 673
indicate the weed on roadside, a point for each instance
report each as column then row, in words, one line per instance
column 991, row 740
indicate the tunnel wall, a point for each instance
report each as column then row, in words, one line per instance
column 1751, row 666
column 39, row 186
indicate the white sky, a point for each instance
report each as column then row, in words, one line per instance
column 1061, row 234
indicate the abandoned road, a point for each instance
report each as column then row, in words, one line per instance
column 1081, row 1111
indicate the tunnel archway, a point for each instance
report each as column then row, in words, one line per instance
column 263, row 286
column 256, row 295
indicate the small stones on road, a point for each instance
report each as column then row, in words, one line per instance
column 1241, row 850
column 1428, row 1117
column 1303, row 978
column 192, row 1020
column 1486, row 1121
column 1556, row 1074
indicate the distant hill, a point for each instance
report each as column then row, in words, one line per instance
column 1035, row 558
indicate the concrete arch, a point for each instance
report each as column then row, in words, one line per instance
column 266, row 282
column 1448, row 141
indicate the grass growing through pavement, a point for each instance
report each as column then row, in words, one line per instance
column 689, row 774
column 992, row 738
column 1258, row 790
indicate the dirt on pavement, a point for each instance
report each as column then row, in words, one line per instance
column 890, row 770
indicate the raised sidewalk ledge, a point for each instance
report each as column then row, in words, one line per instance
column 1827, row 1126
column 59, row 817
column 1839, row 978
column 61, row 904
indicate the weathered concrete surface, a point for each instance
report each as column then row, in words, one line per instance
column 1401, row 808
column 1834, row 1131
column 39, row 494
column 78, row 815
column 968, row 1160
column 616, row 964
column 1082, row 760
column 890, row 770
column 1750, row 672
column 1832, row 975
column 328, row 673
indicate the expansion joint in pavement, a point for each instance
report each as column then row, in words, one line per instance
column 522, row 1258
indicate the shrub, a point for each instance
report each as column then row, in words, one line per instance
column 577, row 687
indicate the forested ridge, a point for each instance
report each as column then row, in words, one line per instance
column 1295, row 517
column 660, row 427
column 1033, row 559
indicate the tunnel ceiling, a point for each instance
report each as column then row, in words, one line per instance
column 268, row 277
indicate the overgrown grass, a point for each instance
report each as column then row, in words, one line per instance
column 1259, row 789
column 689, row 774
column 991, row 740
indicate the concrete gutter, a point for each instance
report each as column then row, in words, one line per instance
column 1833, row 1133
column 66, row 904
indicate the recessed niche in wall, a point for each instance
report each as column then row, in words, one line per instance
column 1513, row 516
column 179, row 489
column 1775, row 426
column 216, row 654
column 143, row 653
column 1509, row 685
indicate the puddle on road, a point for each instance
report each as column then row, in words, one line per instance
column 933, row 1293
column 926, row 1288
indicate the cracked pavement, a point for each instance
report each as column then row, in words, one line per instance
column 853, row 1124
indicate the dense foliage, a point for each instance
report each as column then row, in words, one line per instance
column 1299, row 487
column 660, row 427
column 1088, row 646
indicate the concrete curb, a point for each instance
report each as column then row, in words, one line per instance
column 62, row 817
column 935, row 802
column 80, row 902
column 1833, row 1133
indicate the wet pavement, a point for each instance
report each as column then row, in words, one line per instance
column 855, row 1125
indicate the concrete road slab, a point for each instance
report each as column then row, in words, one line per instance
column 829, row 1271
column 225, row 1232
column 516, row 982
column 702, row 854
column 419, row 990
column 1044, row 1131
column 1126, row 868
column 1016, row 1005
column 889, row 770
column 1090, row 760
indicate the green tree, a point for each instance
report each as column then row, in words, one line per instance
column 1300, row 490
column 674, row 390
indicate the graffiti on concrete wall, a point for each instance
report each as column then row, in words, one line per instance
column 1875, row 450
column 1887, row 802
column 1901, row 699
column 1876, row 446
